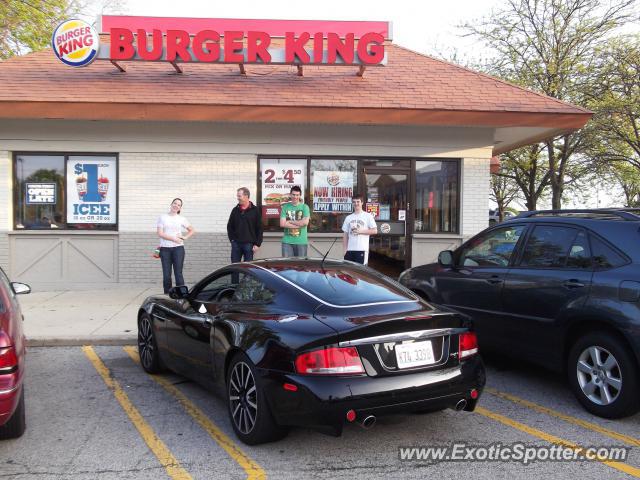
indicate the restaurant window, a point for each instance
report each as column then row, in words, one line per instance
column 333, row 183
column 58, row 191
column 437, row 187
column 277, row 176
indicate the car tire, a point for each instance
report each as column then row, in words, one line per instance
column 17, row 424
column 148, row 347
column 249, row 411
column 603, row 375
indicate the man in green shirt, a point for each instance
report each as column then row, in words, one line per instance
column 294, row 218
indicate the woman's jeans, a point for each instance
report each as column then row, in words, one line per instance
column 171, row 256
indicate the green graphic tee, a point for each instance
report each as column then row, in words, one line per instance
column 295, row 236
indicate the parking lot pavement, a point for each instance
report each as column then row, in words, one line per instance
column 93, row 413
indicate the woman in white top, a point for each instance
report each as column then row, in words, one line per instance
column 170, row 230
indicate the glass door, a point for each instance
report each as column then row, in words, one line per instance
column 386, row 197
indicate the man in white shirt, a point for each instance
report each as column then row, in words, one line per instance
column 357, row 227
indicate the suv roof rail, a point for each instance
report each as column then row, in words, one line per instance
column 623, row 213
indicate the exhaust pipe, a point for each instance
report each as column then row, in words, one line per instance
column 461, row 404
column 368, row 422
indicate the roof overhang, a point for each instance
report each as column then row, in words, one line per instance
column 513, row 129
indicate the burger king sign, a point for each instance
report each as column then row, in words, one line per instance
column 75, row 43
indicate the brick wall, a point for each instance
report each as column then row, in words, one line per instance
column 206, row 183
column 6, row 205
column 205, row 252
column 475, row 195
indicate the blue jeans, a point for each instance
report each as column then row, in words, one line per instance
column 171, row 257
column 241, row 249
column 355, row 256
column 290, row 250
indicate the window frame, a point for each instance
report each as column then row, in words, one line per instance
column 409, row 168
column 104, row 227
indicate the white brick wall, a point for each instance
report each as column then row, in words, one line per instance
column 6, row 201
column 475, row 195
column 6, row 204
column 206, row 183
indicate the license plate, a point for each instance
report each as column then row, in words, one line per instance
column 414, row 354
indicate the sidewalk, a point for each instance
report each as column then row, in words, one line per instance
column 88, row 317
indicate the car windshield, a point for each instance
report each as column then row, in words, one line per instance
column 345, row 286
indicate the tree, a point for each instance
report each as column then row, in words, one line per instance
column 526, row 168
column 27, row 25
column 503, row 191
column 550, row 46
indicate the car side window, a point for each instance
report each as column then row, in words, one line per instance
column 220, row 288
column 605, row 256
column 580, row 253
column 252, row 290
column 493, row 249
column 550, row 246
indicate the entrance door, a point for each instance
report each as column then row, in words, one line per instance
column 387, row 196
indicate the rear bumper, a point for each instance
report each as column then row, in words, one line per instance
column 8, row 402
column 322, row 402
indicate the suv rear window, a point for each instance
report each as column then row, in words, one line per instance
column 344, row 286
column 605, row 256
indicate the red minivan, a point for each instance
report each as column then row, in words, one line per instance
column 12, row 358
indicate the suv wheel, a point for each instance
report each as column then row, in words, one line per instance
column 603, row 375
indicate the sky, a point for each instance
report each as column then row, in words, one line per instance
column 427, row 26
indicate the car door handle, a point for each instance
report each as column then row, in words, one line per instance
column 573, row 284
column 494, row 280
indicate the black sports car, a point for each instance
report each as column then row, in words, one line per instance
column 310, row 343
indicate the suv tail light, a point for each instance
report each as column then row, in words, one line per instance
column 329, row 361
column 468, row 344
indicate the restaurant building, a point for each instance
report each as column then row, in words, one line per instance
column 90, row 157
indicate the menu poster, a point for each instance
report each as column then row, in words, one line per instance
column 91, row 190
column 278, row 176
column 332, row 191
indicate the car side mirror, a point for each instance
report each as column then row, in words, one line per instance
column 20, row 288
column 445, row 258
column 181, row 291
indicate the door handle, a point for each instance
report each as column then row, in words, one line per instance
column 494, row 280
column 573, row 284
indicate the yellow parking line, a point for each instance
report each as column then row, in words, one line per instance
column 157, row 446
column 567, row 418
column 623, row 467
column 253, row 470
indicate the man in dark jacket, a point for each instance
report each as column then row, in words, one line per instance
column 244, row 228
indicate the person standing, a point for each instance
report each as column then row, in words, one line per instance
column 244, row 228
column 357, row 227
column 294, row 218
column 170, row 228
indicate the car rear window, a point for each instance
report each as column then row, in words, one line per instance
column 605, row 256
column 346, row 286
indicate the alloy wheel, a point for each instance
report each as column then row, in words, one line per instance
column 599, row 375
column 243, row 397
column 145, row 342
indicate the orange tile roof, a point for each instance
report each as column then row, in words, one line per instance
column 411, row 89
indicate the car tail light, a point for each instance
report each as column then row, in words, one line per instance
column 8, row 359
column 330, row 361
column 468, row 344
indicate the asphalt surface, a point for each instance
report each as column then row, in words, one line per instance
column 92, row 413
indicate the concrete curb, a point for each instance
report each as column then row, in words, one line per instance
column 80, row 341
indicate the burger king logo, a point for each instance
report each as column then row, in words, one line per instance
column 75, row 43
